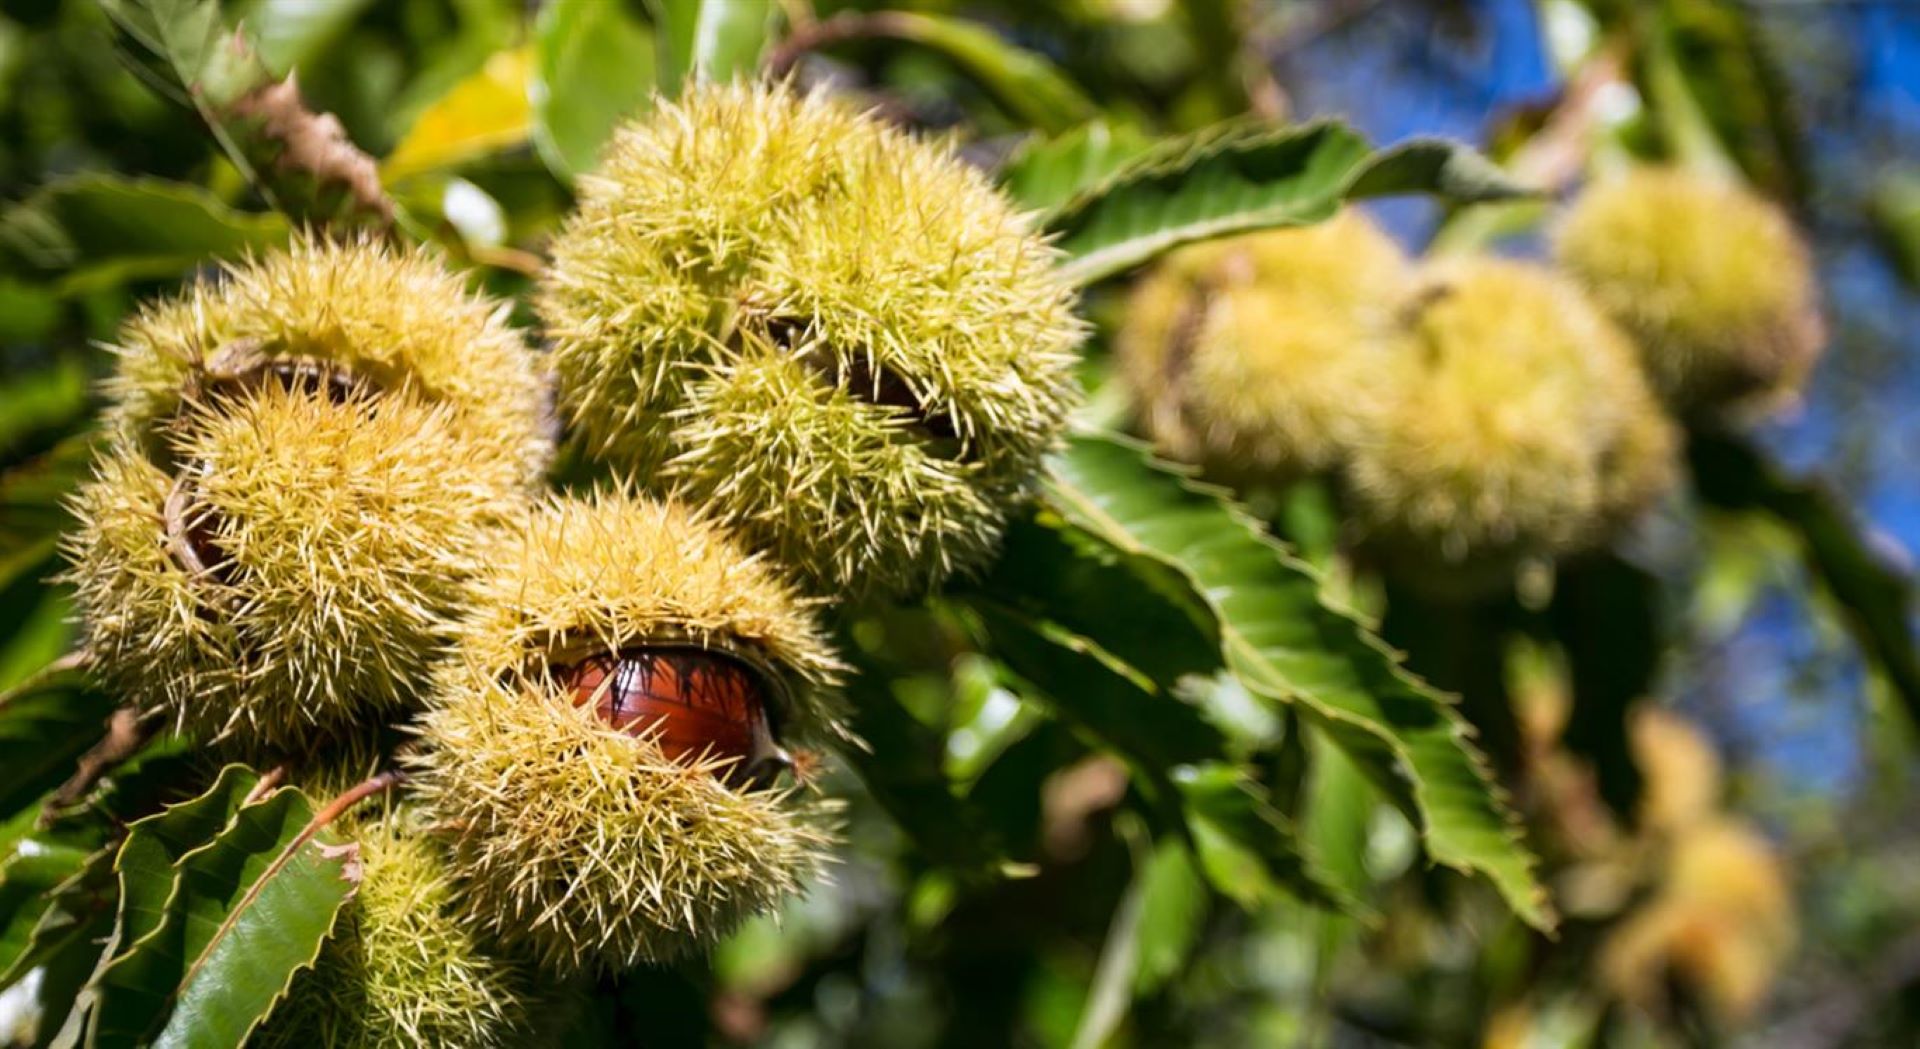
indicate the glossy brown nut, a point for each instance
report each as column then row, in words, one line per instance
column 694, row 702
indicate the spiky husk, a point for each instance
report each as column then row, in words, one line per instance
column 395, row 318
column 1714, row 282
column 1526, row 427
column 1267, row 355
column 577, row 842
column 745, row 267
column 351, row 531
column 402, row 965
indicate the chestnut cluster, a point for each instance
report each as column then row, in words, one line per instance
column 804, row 355
column 1475, row 413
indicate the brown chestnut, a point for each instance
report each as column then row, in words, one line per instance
column 695, row 702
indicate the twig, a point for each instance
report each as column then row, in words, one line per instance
column 847, row 25
column 314, row 144
column 127, row 732
column 1555, row 157
column 360, row 792
column 265, row 785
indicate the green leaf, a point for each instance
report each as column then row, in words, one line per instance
column 46, row 723
column 65, row 967
column 1153, row 731
column 488, row 112
column 1173, row 913
column 62, row 914
column 43, row 401
column 1875, row 598
column 593, row 68
column 287, row 33
column 1179, row 756
column 96, row 230
column 1246, row 847
column 1031, row 88
column 1896, row 214
column 709, row 39
column 193, row 44
column 34, row 868
column 33, row 510
column 1243, row 177
column 244, row 912
column 1284, row 642
column 901, row 766
column 185, row 50
column 1045, row 173
column 154, row 844
column 1336, row 814
column 1057, row 573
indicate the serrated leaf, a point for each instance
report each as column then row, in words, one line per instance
column 46, row 723
column 486, row 113
column 1054, row 571
column 245, row 912
column 1242, row 177
column 1046, row 173
column 1875, row 598
column 1170, row 744
column 1247, row 848
column 1030, row 86
column 1284, row 642
column 709, row 39
column 146, row 859
column 1081, row 682
column 593, row 69
column 94, row 230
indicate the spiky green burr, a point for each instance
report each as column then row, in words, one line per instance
column 1266, row 356
column 575, row 841
column 840, row 339
column 287, row 512
column 397, row 320
column 1713, row 281
column 403, row 966
column 1524, row 427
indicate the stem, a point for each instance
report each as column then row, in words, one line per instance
column 127, row 732
column 847, row 25
column 1683, row 123
column 337, row 807
column 265, row 785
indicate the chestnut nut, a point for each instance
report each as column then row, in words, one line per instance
column 697, row 704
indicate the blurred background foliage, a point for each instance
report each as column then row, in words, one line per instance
column 1707, row 731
